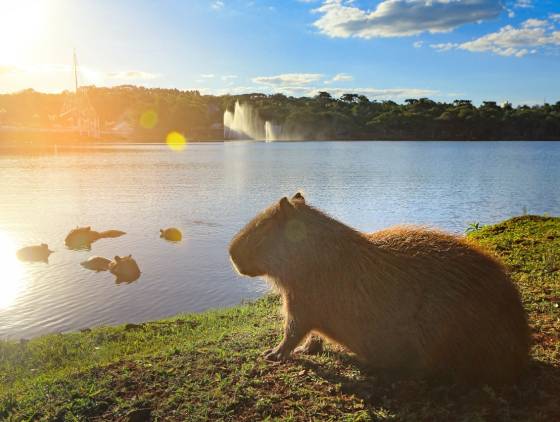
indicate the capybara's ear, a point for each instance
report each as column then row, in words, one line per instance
column 298, row 197
column 117, row 258
column 285, row 205
column 129, row 255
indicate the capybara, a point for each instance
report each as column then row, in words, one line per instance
column 407, row 300
column 125, row 268
column 83, row 237
column 172, row 234
column 34, row 253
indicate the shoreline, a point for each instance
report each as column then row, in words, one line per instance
column 131, row 142
column 208, row 365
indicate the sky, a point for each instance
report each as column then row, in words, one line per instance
column 482, row 50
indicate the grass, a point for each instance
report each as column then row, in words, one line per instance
column 208, row 366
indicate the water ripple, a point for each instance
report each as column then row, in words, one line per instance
column 210, row 192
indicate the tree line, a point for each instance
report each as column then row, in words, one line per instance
column 150, row 113
column 354, row 116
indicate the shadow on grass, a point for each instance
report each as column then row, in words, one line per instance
column 389, row 396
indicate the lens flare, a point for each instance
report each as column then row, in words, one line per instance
column 149, row 119
column 11, row 272
column 176, row 141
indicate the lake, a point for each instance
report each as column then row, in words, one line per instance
column 210, row 191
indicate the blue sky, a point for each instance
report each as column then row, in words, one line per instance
column 387, row 49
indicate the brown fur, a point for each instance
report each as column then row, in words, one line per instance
column 125, row 268
column 406, row 298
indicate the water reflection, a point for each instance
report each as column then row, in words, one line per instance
column 12, row 280
column 210, row 193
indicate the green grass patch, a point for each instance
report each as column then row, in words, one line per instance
column 208, row 366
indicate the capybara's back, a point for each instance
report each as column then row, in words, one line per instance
column 468, row 321
column 406, row 299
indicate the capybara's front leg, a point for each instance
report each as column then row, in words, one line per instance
column 294, row 333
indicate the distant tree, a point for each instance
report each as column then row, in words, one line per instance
column 352, row 116
column 323, row 95
column 349, row 98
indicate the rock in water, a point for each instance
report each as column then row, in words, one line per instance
column 173, row 234
column 36, row 253
column 125, row 268
column 97, row 263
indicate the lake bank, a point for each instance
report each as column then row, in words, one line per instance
column 210, row 191
column 72, row 142
column 208, row 365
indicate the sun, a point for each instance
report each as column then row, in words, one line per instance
column 11, row 272
column 21, row 25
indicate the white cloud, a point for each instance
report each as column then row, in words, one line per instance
column 396, row 18
column 217, row 5
column 555, row 17
column 228, row 77
column 288, row 79
column 339, row 77
column 342, row 77
column 309, row 91
column 533, row 23
column 84, row 71
column 35, row 75
column 9, row 69
column 46, row 68
column 132, row 75
column 304, row 84
column 383, row 94
column 207, row 75
column 523, row 3
column 232, row 90
column 533, row 34
column 444, row 46
column 418, row 44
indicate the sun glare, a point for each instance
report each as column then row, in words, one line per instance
column 148, row 119
column 21, row 23
column 176, row 141
column 11, row 272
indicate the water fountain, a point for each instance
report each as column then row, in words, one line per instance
column 245, row 123
column 272, row 131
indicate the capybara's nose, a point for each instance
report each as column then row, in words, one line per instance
column 235, row 257
column 234, row 250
